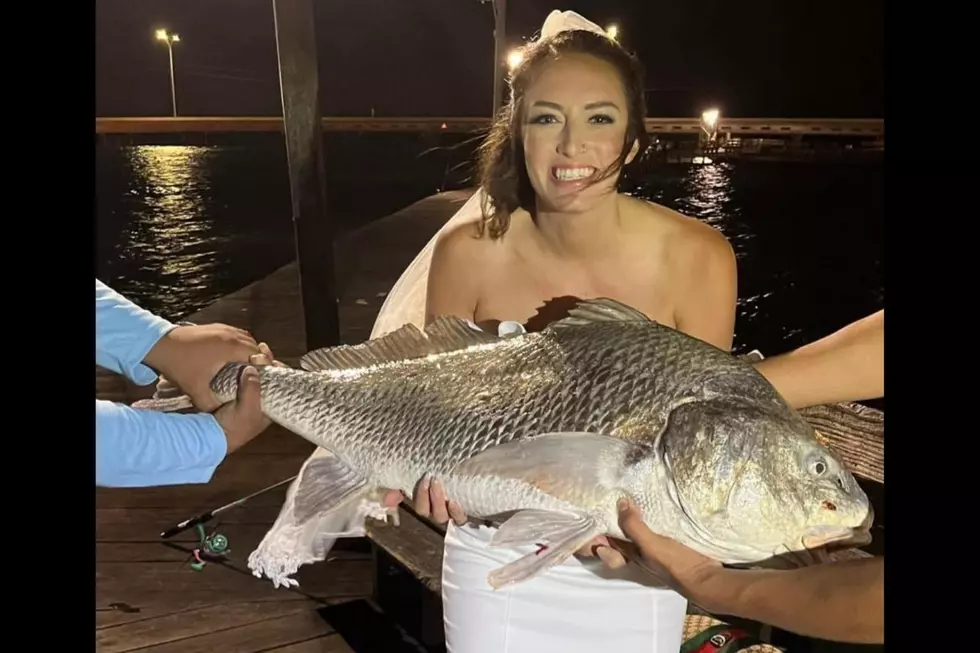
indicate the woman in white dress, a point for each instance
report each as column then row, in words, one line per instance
column 548, row 225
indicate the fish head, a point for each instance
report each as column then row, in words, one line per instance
column 754, row 483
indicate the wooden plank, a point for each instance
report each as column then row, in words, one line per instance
column 160, row 552
column 254, row 637
column 413, row 544
column 856, row 433
column 146, row 524
column 146, row 585
column 192, row 623
column 327, row 644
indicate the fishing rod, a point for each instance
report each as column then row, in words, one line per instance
column 211, row 514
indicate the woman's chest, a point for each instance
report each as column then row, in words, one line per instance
column 538, row 297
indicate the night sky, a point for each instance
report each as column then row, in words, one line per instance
column 763, row 58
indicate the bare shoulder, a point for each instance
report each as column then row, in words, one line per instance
column 462, row 247
column 460, row 257
column 698, row 266
column 687, row 242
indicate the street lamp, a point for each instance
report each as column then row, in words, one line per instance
column 170, row 39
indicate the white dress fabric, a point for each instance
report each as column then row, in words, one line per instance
column 577, row 607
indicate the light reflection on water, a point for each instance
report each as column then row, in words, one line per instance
column 181, row 226
column 172, row 233
column 807, row 239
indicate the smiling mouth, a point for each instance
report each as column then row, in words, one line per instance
column 572, row 173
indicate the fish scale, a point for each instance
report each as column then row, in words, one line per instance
column 557, row 425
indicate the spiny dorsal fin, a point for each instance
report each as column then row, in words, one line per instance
column 600, row 310
column 407, row 342
column 451, row 333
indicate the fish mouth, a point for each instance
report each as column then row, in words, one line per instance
column 820, row 540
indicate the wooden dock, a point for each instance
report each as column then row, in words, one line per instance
column 148, row 598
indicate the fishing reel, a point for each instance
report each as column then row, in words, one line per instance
column 213, row 548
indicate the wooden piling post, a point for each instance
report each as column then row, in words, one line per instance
column 499, row 43
column 300, row 84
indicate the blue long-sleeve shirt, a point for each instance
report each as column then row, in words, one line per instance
column 140, row 448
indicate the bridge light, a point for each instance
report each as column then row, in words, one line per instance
column 709, row 119
column 709, row 123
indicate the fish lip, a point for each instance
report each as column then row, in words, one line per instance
column 844, row 538
column 840, row 537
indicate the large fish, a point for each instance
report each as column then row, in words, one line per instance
column 545, row 431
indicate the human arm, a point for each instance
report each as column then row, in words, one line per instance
column 840, row 601
column 144, row 448
column 134, row 342
column 847, row 365
column 125, row 334
column 141, row 448
column 707, row 295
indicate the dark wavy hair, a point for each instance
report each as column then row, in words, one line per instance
column 500, row 165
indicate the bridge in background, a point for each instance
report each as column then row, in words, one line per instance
column 736, row 127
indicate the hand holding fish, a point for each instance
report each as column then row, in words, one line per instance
column 675, row 564
column 190, row 355
column 430, row 502
column 242, row 419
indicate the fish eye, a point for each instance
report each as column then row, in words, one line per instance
column 818, row 466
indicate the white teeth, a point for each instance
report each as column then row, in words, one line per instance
column 571, row 174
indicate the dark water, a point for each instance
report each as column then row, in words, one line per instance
column 180, row 226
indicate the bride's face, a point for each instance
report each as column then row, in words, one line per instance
column 575, row 122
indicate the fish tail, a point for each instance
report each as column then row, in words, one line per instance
column 168, row 398
column 165, row 405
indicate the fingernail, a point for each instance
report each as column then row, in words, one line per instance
column 608, row 556
column 623, row 505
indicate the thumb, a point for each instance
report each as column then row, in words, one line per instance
column 631, row 523
column 249, row 390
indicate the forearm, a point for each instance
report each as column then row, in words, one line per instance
column 847, row 365
column 142, row 448
column 839, row 601
column 125, row 334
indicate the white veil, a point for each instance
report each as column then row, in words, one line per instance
column 294, row 539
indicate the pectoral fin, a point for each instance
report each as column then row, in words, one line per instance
column 324, row 484
column 329, row 500
column 562, row 533
column 580, row 468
